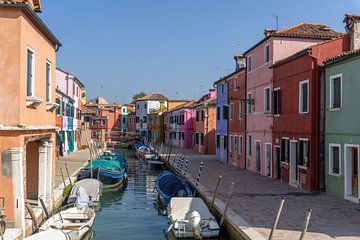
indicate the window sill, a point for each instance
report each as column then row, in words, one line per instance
column 276, row 115
column 303, row 113
column 51, row 106
column 302, row 167
column 335, row 174
column 334, row 109
column 33, row 102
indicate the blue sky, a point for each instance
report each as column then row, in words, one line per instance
column 179, row 48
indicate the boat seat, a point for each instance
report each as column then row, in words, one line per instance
column 80, row 216
column 67, row 225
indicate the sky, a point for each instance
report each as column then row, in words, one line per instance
column 179, row 48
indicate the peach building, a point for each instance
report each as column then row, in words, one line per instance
column 27, row 118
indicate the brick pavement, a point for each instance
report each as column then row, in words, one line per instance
column 256, row 200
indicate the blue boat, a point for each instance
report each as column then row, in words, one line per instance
column 169, row 185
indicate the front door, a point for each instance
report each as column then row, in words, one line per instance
column 258, row 156
column 293, row 163
column 268, row 159
column 235, row 146
column 222, row 148
column 277, row 162
column 199, row 141
column 352, row 169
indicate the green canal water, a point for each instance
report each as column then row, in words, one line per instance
column 131, row 212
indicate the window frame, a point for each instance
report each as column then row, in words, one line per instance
column 249, row 63
column 48, row 94
column 301, row 97
column 277, row 114
column 267, row 53
column 93, row 122
column 331, row 105
column 330, row 172
column 232, row 111
column 265, row 99
column 308, row 153
column 33, row 62
column 236, row 84
column 93, row 134
column 240, row 148
column 241, row 109
column 248, row 104
column 101, row 122
column 249, row 144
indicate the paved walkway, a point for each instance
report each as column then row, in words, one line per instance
column 74, row 161
column 256, row 200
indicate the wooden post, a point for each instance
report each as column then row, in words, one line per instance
column 67, row 171
column 282, row 200
column 216, row 192
column 227, row 203
column 306, row 223
column 161, row 146
column 62, row 176
column 168, row 159
column 197, row 183
column 32, row 215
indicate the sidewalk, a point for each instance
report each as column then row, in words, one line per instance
column 256, row 200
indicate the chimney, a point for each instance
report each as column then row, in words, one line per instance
column 240, row 61
column 269, row 31
column 352, row 27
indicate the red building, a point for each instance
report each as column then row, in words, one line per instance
column 237, row 116
column 297, row 114
column 132, row 122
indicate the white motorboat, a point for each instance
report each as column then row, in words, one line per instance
column 93, row 188
column 52, row 234
column 189, row 217
column 74, row 221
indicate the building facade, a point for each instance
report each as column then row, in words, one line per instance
column 276, row 45
column 27, row 123
column 297, row 118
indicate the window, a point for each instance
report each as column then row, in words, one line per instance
column 241, row 109
column 197, row 116
column 249, row 145
column 103, row 122
column 335, row 91
column 137, row 119
column 248, row 103
column 285, row 150
column 276, row 97
column 99, row 112
column 236, row 83
column 267, row 53
column 231, row 143
column 93, row 122
column 217, row 141
column 180, row 133
column 267, row 99
column 304, row 153
column 240, row 144
column 222, row 88
column 48, row 82
column 183, row 136
column 138, row 106
column 249, row 66
column 235, row 144
column 202, row 138
column 218, row 113
column 30, row 73
column 94, row 134
column 123, row 120
column 202, row 115
column 334, row 159
column 145, row 106
column 144, row 119
column 196, row 138
column 225, row 112
column 58, row 109
column 304, row 97
column 231, row 111
column 124, row 110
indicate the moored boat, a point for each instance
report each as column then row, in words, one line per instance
column 93, row 188
column 52, row 234
column 168, row 185
column 74, row 221
column 189, row 217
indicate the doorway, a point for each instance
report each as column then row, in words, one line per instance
column 268, row 159
column 277, row 156
column 352, row 165
column 222, row 148
column 235, row 146
column 258, row 155
column 32, row 170
column 293, row 163
column 199, row 141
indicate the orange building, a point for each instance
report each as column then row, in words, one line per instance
column 27, row 122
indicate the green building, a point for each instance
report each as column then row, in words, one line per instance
column 342, row 125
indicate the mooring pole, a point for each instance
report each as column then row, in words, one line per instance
column 306, row 223
column 168, row 159
column 67, row 171
column 198, row 178
column 216, row 192
column 32, row 215
column 186, row 167
column 282, row 200
column 227, row 203
column 62, row 176
column 44, row 207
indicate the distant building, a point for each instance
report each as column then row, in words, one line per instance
column 27, row 117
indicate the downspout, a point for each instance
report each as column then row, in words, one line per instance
column 245, row 125
column 322, row 127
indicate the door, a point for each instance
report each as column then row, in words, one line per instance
column 277, row 157
column 199, row 141
column 258, row 156
column 355, row 171
column 235, row 146
column 293, row 163
column 352, row 183
column 221, row 148
column 268, row 159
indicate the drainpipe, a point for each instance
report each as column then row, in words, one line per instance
column 245, row 120
column 322, row 127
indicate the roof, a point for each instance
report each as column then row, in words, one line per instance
column 342, row 56
column 158, row 111
column 211, row 101
column 153, row 96
column 223, row 79
column 184, row 105
column 75, row 78
column 98, row 100
column 301, row 30
column 30, row 13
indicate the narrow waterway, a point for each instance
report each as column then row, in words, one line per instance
column 131, row 212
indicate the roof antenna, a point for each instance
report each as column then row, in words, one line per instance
column 101, row 90
column 277, row 21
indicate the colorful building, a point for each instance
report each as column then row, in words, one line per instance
column 222, row 118
column 342, row 118
column 132, row 122
column 297, row 118
column 275, row 46
column 205, row 126
column 144, row 106
column 27, row 122
column 125, row 111
column 237, row 117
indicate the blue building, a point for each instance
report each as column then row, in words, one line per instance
column 222, row 119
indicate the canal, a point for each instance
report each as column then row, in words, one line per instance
column 131, row 212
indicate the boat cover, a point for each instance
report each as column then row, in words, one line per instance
column 82, row 198
column 168, row 184
column 92, row 186
column 180, row 207
column 49, row 234
column 137, row 146
column 105, row 164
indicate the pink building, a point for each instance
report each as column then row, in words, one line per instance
column 276, row 45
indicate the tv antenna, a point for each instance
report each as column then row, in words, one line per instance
column 236, row 46
column 277, row 20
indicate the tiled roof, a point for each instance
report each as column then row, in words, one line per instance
column 211, row 101
column 184, row 105
column 301, row 30
column 153, row 96
column 342, row 56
